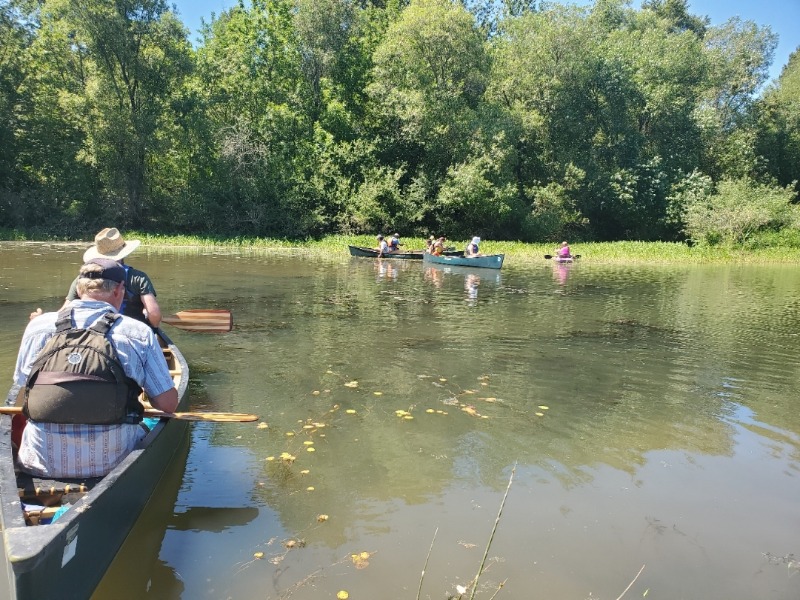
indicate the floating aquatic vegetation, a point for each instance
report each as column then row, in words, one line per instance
column 287, row 458
column 262, row 425
column 544, row 407
column 322, row 518
column 360, row 560
column 351, row 384
column 258, row 555
column 350, row 411
column 377, row 393
column 342, row 595
column 315, row 393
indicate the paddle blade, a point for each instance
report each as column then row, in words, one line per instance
column 204, row 320
column 548, row 256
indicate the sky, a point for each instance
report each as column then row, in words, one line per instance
column 783, row 17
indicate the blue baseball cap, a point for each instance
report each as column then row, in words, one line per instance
column 110, row 269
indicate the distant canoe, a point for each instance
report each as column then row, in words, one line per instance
column 410, row 255
column 491, row 261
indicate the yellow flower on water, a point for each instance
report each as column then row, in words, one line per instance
column 290, row 433
column 351, row 384
column 315, row 393
column 442, row 379
column 350, row 411
column 310, row 488
column 378, row 393
column 322, row 518
column 258, row 555
column 342, row 595
column 430, row 410
column 544, row 407
column 308, row 443
column 262, row 425
column 539, row 414
column 270, row 458
column 310, row 449
column 305, row 472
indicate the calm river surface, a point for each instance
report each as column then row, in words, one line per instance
column 634, row 416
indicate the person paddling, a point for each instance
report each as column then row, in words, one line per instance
column 473, row 249
column 563, row 251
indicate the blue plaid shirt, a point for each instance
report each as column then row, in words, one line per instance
column 62, row 450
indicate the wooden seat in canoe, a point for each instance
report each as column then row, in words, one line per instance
column 49, row 492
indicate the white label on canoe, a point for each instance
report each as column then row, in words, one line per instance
column 70, row 546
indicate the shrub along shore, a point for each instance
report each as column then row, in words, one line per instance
column 629, row 252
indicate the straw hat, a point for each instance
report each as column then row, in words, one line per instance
column 110, row 244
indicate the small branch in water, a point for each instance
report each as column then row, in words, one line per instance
column 631, row 583
column 421, row 577
column 491, row 537
column 499, row 587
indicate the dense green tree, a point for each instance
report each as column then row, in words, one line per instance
column 779, row 125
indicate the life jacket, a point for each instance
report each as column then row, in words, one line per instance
column 78, row 378
column 394, row 244
column 473, row 248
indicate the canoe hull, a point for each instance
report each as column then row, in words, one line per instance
column 68, row 558
column 413, row 255
column 491, row 261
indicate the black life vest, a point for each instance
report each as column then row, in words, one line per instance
column 78, row 378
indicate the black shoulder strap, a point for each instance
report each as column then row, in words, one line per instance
column 64, row 320
column 104, row 324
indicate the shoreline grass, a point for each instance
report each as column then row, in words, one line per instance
column 628, row 252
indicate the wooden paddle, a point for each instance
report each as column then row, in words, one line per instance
column 549, row 256
column 215, row 417
column 206, row 320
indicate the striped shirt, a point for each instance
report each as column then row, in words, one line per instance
column 65, row 450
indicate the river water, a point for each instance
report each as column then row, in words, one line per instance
column 585, row 427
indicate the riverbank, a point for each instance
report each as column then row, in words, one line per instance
column 597, row 252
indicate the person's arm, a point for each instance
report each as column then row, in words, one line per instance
column 153, row 309
column 168, row 401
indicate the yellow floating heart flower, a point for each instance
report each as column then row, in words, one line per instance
column 262, row 425
column 351, row 384
column 342, row 595
column 258, row 555
column 544, row 407
column 378, row 393
column 350, row 411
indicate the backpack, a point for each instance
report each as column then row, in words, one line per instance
column 78, row 378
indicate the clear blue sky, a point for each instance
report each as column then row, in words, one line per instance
column 783, row 16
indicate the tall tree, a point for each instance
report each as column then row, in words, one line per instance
column 140, row 53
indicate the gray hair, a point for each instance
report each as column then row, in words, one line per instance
column 87, row 285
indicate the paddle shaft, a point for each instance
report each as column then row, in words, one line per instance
column 549, row 256
column 215, row 417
